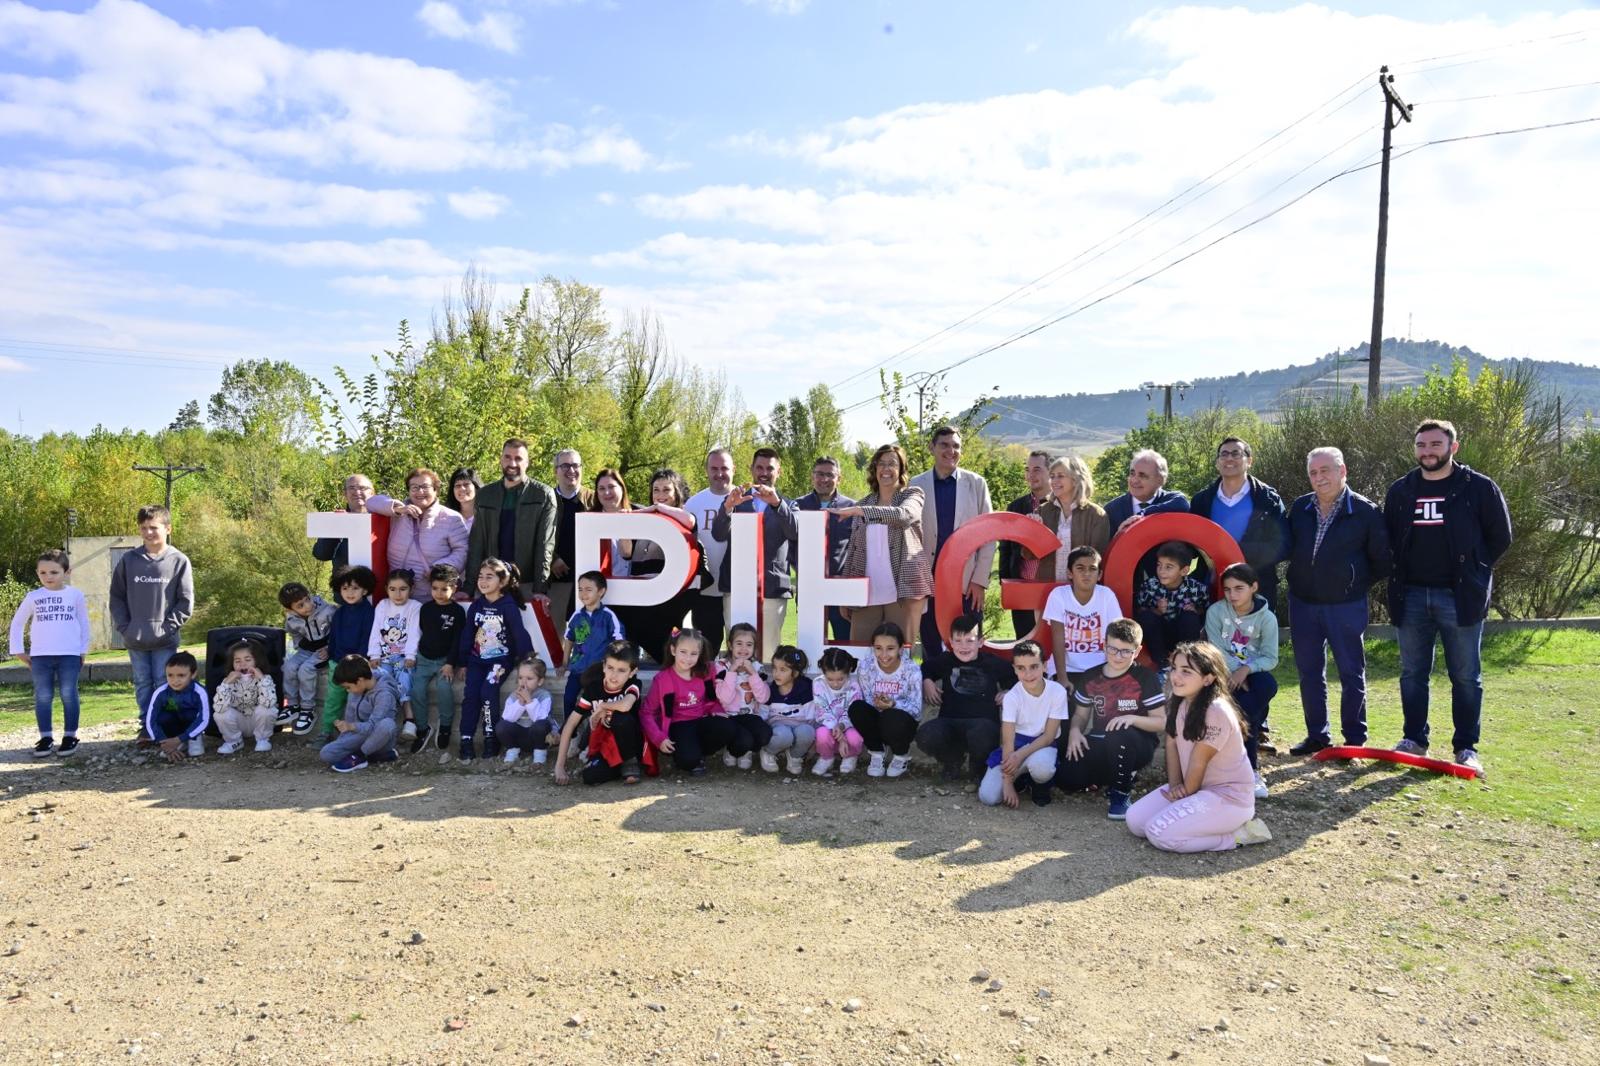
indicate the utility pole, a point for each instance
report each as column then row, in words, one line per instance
column 1391, row 104
column 1150, row 388
column 923, row 382
column 170, row 473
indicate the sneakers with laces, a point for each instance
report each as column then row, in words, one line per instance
column 898, row 765
column 1041, row 794
column 823, row 767
column 45, row 748
column 263, row 744
column 230, row 746
column 197, row 747
column 847, row 765
column 875, row 764
column 729, row 760
column 1261, row 786
column 409, row 730
column 1411, row 747
column 1469, row 758
column 468, row 750
column 67, row 748
column 350, row 764
column 1254, row 831
column 769, row 762
column 1117, row 806
column 303, row 721
column 794, row 764
column 513, row 754
column 746, row 761
column 1309, row 746
column 285, row 715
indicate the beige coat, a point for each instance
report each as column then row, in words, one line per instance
column 972, row 500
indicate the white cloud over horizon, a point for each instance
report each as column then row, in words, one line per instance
column 493, row 29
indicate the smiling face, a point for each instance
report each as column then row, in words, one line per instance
column 886, row 475
column 665, row 490
column 588, row 594
column 1144, row 478
column 464, row 491
column 608, row 490
column 825, row 480
column 1326, row 474
column 1063, row 486
column 887, row 651
column 947, row 453
column 1038, row 472
column 764, row 470
column 154, row 533
column 966, row 645
column 1232, row 462
column 357, row 489
column 1029, row 669
column 1119, row 657
column 1434, row 449
column 719, row 472
column 490, row 582
column 615, row 673
column 350, row 592
column 514, row 464
column 1185, row 677
column 685, row 656
column 569, row 471
column 742, row 647
column 422, row 490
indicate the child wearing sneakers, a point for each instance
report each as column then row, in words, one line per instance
column 1116, row 721
column 831, row 697
column 349, row 634
column 179, row 711
column 246, row 700
column 742, row 690
column 492, row 642
column 680, row 714
column 1030, row 718
column 889, row 706
column 396, row 631
column 590, row 631
column 56, row 617
column 367, row 730
column 307, row 619
column 1243, row 626
column 610, row 700
column 525, row 721
column 789, row 712
column 440, row 621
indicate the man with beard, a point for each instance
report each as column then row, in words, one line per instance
column 516, row 523
column 777, row 532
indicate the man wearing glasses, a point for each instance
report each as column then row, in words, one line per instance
column 824, row 496
column 572, row 499
column 1250, row 510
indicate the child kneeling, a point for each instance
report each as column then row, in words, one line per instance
column 367, row 730
column 1030, row 717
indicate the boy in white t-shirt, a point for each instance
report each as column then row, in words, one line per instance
column 1078, row 614
column 1030, row 717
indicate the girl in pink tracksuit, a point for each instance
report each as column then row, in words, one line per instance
column 831, row 697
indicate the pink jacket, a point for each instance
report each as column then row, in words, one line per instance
column 416, row 544
column 741, row 693
column 689, row 701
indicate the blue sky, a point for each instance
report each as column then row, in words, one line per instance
column 808, row 188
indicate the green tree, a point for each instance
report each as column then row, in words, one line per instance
column 268, row 400
column 803, row 429
column 1187, row 442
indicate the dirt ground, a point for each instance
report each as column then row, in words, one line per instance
column 265, row 910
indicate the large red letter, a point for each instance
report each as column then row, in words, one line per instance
column 1017, row 595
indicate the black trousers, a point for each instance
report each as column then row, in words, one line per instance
column 893, row 727
column 952, row 740
column 630, row 745
column 529, row 737
column 693, row 740
column 750, row 733
column 707, row 616
column 1162, row 633
column 1111, row 762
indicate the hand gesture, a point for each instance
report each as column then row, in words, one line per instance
column 668, row 747
column 768, row 495
column 233, row 675
column 1077, row 744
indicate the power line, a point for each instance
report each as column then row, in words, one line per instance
column 1500, row 96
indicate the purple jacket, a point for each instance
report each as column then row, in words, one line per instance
column 416, row 544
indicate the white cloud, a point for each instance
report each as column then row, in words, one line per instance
column 780, row 7
column 9, row 365
column 477, row 204
column 494, row 29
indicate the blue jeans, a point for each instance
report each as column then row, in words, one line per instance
column 1315, row 629
column 149, row 673
column 1427, row 614
column 52, row 672
column 1255, row 701
column 426, row 679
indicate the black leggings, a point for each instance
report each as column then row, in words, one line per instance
column 1111, row 761
column 630, row 745
column 530, row 738
column 952, row 740
column 877, row 728
column 1162, row 633
column 750, row 733
column 693, row 740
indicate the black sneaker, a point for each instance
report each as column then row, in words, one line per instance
column 468, row 750
column 69, row 746
column 441, row 738
column 45, row 748
column 384, row 756
column 286, row 715
column 303, row 721
column 699, row 770
column 951, row 771
column 1042, row 794
column 491, row 746
column 1309, row 746
column 421, row 741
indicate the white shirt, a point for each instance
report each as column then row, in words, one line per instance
column 60, row 623
column 1234, row 500
column 1030, row 713
column 1083, row 624
column 1064, row 535
column 704, row 505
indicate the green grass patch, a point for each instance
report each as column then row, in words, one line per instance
column 99, row 703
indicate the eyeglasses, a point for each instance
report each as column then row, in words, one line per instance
column 1121, row 653
column 1230, row 453
column 569, row 466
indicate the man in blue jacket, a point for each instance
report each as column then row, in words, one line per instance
column 824, row 496
column 1250, row 510
column 1448, row 526
column 1338, row 549
column 778, row 531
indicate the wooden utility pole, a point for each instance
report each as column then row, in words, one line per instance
column 1391, row 104
column 1166, row 387
column 170, row 473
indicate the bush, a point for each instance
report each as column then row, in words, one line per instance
column 240, row 563
column 11, row 594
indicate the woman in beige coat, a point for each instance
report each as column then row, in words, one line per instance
column 1071, row 516
column 890, row 503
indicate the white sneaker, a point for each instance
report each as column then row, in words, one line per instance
column 769, row 762
column 1254, row 831
column 899, row 765
column 1261, row 787
column 728, row 760
column 513, row 754
column 197, row 747
column 228, row 747
column 794, row 764
column 263, row 744
column 875, row 765
column 847, row 765
column 824, row 766
column 410, row 730
column 746, row 761
column 539, row 756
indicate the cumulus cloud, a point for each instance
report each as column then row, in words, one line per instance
column 477, row 204
column 780, row 7
column 494, row 29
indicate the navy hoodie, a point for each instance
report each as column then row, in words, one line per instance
column 352, row 627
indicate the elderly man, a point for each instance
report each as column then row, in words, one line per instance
column 1147, row 493
column 705, row 505
column 516, row 522
column 1250, row 511
column 777, row 531
column 1338, row 549
column 572, row 499
column 1448, row 526
column 824, row 496
column 1013, row 563
column 952, row 497
column 424, row 532
column 336, row 550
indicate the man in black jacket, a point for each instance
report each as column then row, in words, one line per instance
column 1250, row 510
column 1448, row 525
column 1011, row 557
column 778, row 531
column 824, row 496
column 1338, row 549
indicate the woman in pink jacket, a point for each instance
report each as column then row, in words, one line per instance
column 423, row 532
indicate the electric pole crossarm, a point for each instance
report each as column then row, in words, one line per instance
column 170, row 473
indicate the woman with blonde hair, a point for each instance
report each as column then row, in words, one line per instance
column 897, row 554
column 1072, row 516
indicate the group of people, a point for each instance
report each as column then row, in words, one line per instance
column 377, row 668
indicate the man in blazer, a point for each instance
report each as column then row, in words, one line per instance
column 951, row 497
column 824, row 496
column 516, row 522
column 1147, row 492
column 778, row 529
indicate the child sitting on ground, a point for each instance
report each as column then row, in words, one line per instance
column 525, row 721
column 58, row 644
column 831, row 697
column 890, row 705
column 1170, row 606
column 742, row 690
column 349, row 634
column 680, row 711
column 1244, row 628
column 789, row 712
column 179, row 711
column 1030, row 718
column 308, row 620
column 966, row 683
column 247, row 700
column 1116, row 721
column 396, row 631
column 367, row 730
column 610, row 698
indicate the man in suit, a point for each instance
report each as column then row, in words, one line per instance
column 572, row 499
column 951, row 497
column 1012, row 561
column 824, row 496
column 1146, row 495
column 516, row 522
column 777, row 531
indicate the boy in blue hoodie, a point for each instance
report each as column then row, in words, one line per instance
column 349, row 634
column 1245, row 629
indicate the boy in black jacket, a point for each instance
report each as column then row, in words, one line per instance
column 441, row 621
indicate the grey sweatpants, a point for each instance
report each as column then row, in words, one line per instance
column 379, row 739
column 300, row 679
column 795, row 738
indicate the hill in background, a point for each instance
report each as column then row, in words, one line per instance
column 1095, row 420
